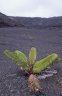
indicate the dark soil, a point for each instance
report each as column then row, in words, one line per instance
column 13, row 81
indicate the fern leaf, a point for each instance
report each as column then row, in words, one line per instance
column 11, row 55
column 32, row 55
column 22, row 57
column 15, row 57
column 44, row 63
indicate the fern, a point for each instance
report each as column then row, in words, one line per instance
column 30, row 62
column 31, row 65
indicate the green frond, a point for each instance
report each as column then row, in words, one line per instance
column 32, row 55
column 22, row 57
column 18, row 57
column 11, row 55
column 44, row 63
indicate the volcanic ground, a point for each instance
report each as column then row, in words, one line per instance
column 13, row 82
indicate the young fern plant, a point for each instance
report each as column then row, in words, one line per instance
column 30, row 65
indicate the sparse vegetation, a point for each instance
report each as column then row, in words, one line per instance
column 30, row 65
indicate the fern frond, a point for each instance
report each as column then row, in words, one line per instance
column 32, row 55
column 44, row 63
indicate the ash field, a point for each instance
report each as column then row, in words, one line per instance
column 13, row 81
